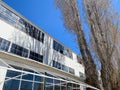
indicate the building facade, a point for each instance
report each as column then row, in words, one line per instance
column 30, row 59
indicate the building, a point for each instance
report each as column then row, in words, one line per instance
column 30, row 59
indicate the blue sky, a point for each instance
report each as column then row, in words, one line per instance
column 44, row 14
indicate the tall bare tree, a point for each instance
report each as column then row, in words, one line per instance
column 104, row 27
column 72, row 22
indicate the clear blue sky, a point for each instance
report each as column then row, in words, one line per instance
column 44, row 14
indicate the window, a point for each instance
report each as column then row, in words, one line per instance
column 25, row 85
column 57, row 84
column 38, row 86
column 18, row 50
column 68, row 53
column 71, row 71
column 81, row 75
column 11, row 85
column 36, row 56
column 4, row 44
column 13, row 74
column 39, row 78
column 58, row 47
column 56, row 65
column 34, row 32
column 65, row 68
column 27, row 77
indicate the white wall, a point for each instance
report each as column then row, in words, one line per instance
column 16, row 36
column 2, row 77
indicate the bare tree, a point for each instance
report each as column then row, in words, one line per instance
column 72, row 22
column 104, row 36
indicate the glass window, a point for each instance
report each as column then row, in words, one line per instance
column 58, row 47
column 27, row 77
column 39, row 78
column 38, row 86
column 71, row 71
column 63, row 85
column 81, row 75
column 11, row 73
column 25, row 85
column 11, row 85
column 36, row 56
column 49, row 80
column 18, row 50
column 69, row 86
column 65, row 68
column 4, row 44
column 57, row 87
column 49, row 87
column 56, row 64
column 42, row 39
column 57, row 84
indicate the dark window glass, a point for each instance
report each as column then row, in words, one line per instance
column 13, row 74
column 71, row 71
column 56, row 87
column 27, row 77
column 38, row 86
column 63, row 87
column 39, row 78
column 36, row 56
column 56, row 65
column 65, row 68
column 26, row 85
column 49, row 80
column 57, row 82
column 49, row 87
column 58, row 47
column 18, row 50
column 11, row 85
column 4, row 44
column 42, row 39
column 81, row 75
column 69, row 86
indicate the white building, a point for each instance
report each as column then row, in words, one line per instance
column 30, row 59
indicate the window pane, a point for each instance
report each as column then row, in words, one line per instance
column 18, row 50
column 26, row 85
column 39, row 78
column 71, row 71
column 49, row 87
column 63, row 87
column 49, row 80
column 27, row 77
column 13, row 74
column 56, row 64
column 57, row 84
column 4, row 44
column 11, row 85
column 36, row 56
column 57, row 87
column 65, row 68
column 38, row 86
